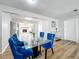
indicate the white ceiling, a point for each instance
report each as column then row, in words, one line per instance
column 50, row 8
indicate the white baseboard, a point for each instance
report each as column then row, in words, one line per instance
column 4, row 49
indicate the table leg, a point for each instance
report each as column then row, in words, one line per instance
column 52, row 51
column 29, row 57
column 45, row 53
column 40, row 50
column 35, row 51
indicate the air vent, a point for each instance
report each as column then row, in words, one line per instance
column 75, row 10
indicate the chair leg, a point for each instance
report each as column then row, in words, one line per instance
column 29, row 57
column 45, row 53
column 52, row 51
column 40, row 50
column 32, row 57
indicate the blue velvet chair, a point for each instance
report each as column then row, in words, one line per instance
column 42, row 34
column 19, row 52
column 20, row 43
column 49, row 45
column 51, row 37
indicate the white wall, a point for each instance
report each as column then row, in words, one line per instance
column 77, row 30
column 12, row 28
column 5, row 30
column 0, row 32
column 71, row 29
column 60, row 31
column 45, row 26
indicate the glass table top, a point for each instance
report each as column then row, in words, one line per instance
column 35, row 43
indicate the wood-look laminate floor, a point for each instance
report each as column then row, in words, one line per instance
column 63, row 50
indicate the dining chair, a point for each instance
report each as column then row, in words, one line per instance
column 49, row 45
column 19, row 52
column 42, row 34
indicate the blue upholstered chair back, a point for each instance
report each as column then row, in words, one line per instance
column 50, row 36
column 12, row 46
column 42, row 34
column 15, row 36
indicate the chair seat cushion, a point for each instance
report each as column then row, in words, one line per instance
column 48, row 45
column 26, row 52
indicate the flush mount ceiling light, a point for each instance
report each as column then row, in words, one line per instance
column 32, row 2
column 28, row 18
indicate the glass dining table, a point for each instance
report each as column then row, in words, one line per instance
column 35, row 44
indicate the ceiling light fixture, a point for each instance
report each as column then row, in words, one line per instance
column 75, row 10
column 28, row 18
column 32, row 2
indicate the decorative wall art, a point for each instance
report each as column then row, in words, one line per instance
column 53, row 24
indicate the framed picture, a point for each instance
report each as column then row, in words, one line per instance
column 24, row 30
column 53, row 24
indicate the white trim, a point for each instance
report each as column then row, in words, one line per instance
column 4, row 49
